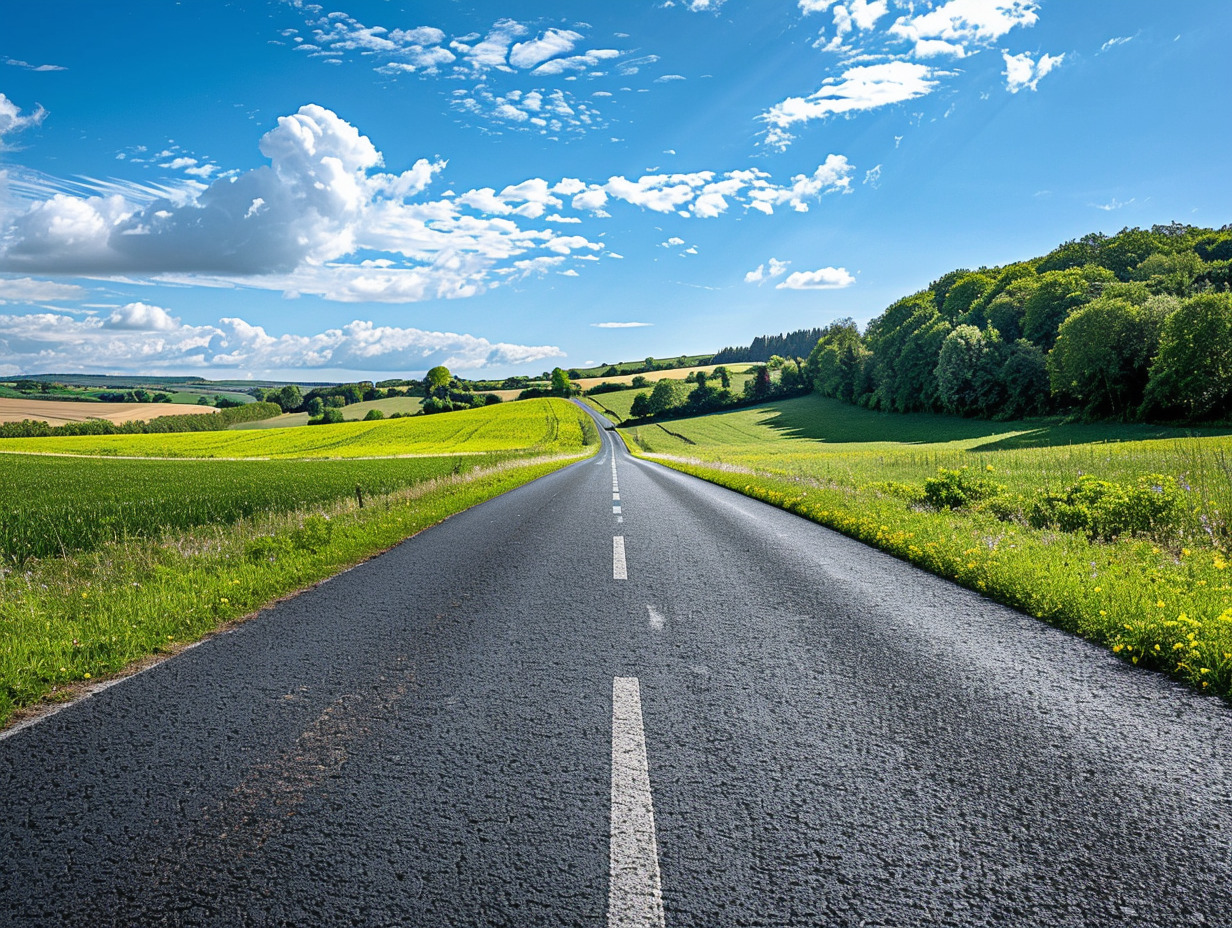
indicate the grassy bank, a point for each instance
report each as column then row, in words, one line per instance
column 1037, row 528
column 71, row 619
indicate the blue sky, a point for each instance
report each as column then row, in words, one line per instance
column 369, row 188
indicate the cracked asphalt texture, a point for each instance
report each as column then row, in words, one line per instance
column 834, row 738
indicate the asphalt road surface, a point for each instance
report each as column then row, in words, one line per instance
column 621, row 696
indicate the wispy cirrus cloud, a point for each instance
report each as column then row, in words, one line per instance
column 620, row 325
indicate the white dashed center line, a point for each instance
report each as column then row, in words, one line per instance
column 618, row 559
column 635, row 890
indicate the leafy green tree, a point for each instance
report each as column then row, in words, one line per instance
column 666, row 395
column 314, row 407
column 722, row 373
column 436, row 382
column 967, row 382
column 640, row 406
column 373, row 415
column 1192, row 373
column 963, row 295
column 1055, row 296
column 290, row 399
column 1102, row 355
column 561, row 385
column 1024, row 378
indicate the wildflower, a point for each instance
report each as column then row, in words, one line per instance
column 1099, row 589
column 87, row 676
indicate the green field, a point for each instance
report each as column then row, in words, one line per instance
column 353, row 413
column 1039, row 529
column 57, row 505
column 542, row 425
column 620, row 402
column 108, row 558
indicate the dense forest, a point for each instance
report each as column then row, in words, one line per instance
column 792, row 345
column 1136, row 325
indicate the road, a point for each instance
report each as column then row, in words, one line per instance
column 622, row 696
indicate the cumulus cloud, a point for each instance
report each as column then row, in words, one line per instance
column 141, row 317
column 775, row 268
column 552, row 43
column 149, row 338
column 29, row 290
column 11, row 119
column 543, row 111
column 864, row 87
column 1023, row 73
column 966, row 22
column 826, row 278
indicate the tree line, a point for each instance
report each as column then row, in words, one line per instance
column 1137, row 325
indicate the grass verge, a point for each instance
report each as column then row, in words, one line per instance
column 1124, row 542
column 76, row 619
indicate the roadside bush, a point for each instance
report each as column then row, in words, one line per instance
column 954, row 489
column 1154, row 508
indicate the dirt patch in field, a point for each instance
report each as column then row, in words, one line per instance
column 55, row 412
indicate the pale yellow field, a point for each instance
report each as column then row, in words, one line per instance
column 59, row 413
column 676, row 373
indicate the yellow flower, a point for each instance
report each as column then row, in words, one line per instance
column 87, row 676
column 1159, row 604
column 1099, row 589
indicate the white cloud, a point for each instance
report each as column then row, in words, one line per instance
column 967, row 22
column 826, row 278
column 1115, row 41
column 29, row 290
column 815, row 6
column 1021, row 72
column 552, row 43
column 860, row 88
column 872, row 176
column 775, row 268
column 1114, row 204
column 620, row 325
column 11, row 119
column 58, row 341
column 141, row 317
column 25, row 65
column 666, row 78
column 577, row 62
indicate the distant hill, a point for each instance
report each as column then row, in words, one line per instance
column 796, row 344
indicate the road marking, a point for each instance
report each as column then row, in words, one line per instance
column 615, row 494
column 620, row 519
column 618, row 558
column 635, row 888
column 656, row 618
column 616, row 510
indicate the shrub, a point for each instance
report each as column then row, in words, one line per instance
column 954, row 489
column 1154, row 507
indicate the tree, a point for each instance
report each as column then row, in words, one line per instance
column 967, row 371
column 666, row 395
column 723, row 374
column 641, row 406
column 1057, row 294
column 374, row 414
column 561, row 385
column 1192, row 373
column 436, row 382
column 290, row 399
column 314, row 407
column 1102, row 355
column 1024, row 377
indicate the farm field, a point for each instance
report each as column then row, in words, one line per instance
column 542, row 425
column 620, row 402
column 676, row 373
column 352, row 413
column 1118, row 533
column 107, row 559
column 55, row 412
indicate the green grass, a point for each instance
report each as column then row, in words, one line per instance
column 620, row 402
column 1161, row 602
column 352, row 413
column 542, row 425
column 78, row 618
column 57, row 505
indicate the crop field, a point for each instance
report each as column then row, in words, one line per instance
column 353, row 413
column 55, row 412
column 1119, row 533
column 620, row 402
column 675, row 373
column 541, row 426
column 57, row 505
